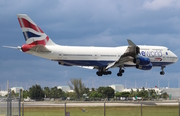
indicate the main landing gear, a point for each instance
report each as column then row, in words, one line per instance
column 121, row 71
column 162, row 72
column 103, row 72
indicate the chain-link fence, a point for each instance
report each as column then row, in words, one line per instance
column 10, row 105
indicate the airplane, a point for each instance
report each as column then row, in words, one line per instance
column 142, row 57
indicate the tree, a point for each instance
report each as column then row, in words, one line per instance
column 164, row 95
column 106, row 92
column 14, row 94
column 92, row 89
column 118, row 94
column 86, row 90
column 152, row 94
column 95, row 95
column 124, row 94
column 77, row 86
column 36, row 92
column 56, row 93
column 72, row 95
column 25, row 94
column 47, row 92
column 143, row 93
column 132, row 93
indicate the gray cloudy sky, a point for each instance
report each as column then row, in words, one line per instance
column 92, row 23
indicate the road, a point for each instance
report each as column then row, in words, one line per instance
column 92, row 104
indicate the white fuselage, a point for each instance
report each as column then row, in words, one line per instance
column 102, row 56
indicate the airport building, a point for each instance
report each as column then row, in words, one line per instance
column 117, row 87
column 3, row 93
column 64, row 88
column 17, row 89
column 174, row 93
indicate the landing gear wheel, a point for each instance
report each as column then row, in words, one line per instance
column 119, row 74
column 122, row 71
column 162, row 73
column 109, row 72
column 137, row 66
column 99, row 73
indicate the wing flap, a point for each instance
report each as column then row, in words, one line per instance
column 128, row 56
column 87, row 67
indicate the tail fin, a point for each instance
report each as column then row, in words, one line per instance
column 32, row 33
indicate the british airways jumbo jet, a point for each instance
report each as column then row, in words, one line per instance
column 100, row 58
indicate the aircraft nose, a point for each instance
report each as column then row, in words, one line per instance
column 175, row 57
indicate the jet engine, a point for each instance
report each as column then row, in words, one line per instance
column 147, row 67
column 140, row 60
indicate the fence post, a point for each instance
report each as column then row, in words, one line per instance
column 10, row 103
column 65, row 106
column 105, row 106
column 179, row 107
column 141, row 108
column 20, row 103
column 23, row 108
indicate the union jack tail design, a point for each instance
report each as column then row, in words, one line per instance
column 32, row 33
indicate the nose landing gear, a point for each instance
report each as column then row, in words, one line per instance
column 162, row 72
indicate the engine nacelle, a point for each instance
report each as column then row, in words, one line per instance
column 141, row 60
column 147, row 67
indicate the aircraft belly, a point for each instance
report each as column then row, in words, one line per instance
column 87, row 62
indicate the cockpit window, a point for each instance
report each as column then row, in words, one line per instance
column 168, row 49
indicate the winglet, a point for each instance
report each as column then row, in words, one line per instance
column 130, row 42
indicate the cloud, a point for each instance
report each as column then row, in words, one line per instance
column 161, row 4
column 91, row 23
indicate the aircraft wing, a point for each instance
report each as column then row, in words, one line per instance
column 130, row 53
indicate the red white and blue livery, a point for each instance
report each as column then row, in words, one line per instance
column 101, row 58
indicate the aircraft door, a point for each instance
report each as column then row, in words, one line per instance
column 60, row 55
column 95, row 56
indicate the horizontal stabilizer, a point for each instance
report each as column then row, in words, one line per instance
column 39, row 48
column 12, row 47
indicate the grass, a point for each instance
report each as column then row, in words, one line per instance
column 99, row 111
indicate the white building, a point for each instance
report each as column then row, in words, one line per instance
column 64, row 88
column 17, row 89
column 157, row 90
column 117, row 87
column 3, row 93
column 173, row 92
